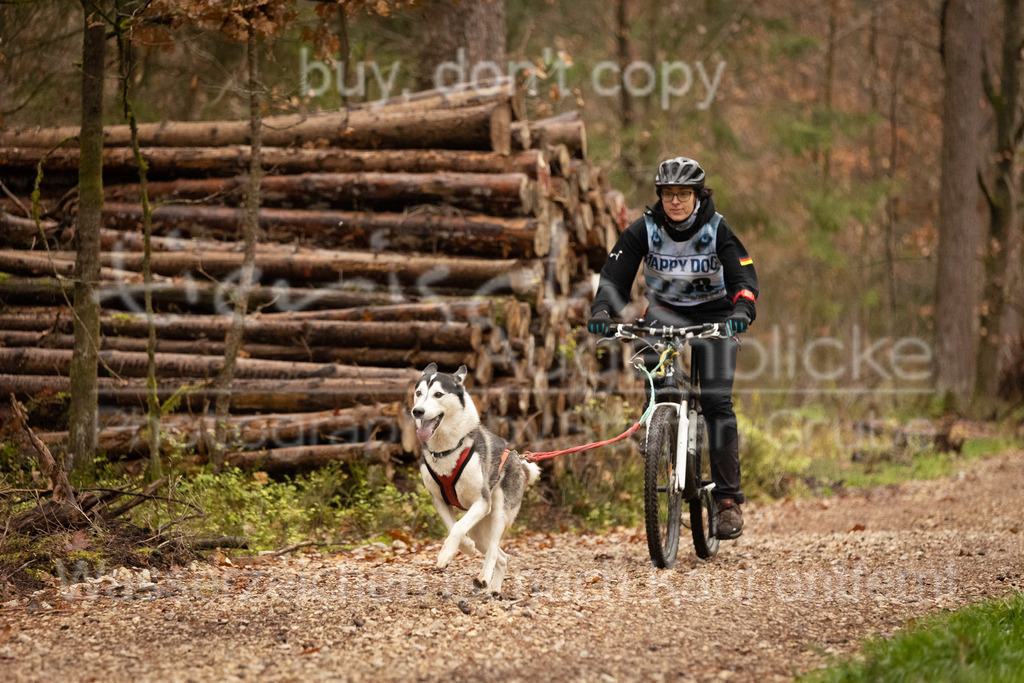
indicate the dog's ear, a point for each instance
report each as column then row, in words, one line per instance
column 460, row 374
column 430, row 369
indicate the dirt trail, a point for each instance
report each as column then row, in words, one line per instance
column 808, row 579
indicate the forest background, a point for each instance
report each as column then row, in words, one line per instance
column 890, row 281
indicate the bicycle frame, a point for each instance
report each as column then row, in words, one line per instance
column 673, row 343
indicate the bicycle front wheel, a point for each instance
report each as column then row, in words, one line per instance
column 703, row 509
column 663, row 507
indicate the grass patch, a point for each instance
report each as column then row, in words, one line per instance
column 338, row 504
column 983, row 642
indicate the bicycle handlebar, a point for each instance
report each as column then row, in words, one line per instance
column 703, row 331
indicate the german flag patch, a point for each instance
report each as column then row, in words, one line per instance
column 746, row 261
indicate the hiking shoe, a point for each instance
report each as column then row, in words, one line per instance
column 730, row 519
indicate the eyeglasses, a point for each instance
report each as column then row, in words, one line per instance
column 681, row 195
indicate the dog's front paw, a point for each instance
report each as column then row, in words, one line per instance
column 448, row 551
column 468, row 547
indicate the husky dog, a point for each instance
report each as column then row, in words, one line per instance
column 464, row 466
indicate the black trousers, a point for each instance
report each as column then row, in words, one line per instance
column 713, row 362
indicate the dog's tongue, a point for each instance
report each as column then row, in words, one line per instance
column 425, row 432
column 427, row 429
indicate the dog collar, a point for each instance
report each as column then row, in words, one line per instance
column 442, row 454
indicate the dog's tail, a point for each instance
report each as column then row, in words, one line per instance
column 532, row 471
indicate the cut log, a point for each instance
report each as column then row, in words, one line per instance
column 480, row 312
column 482, row 127
column 191, row 295
column 265, row 395
column 400, row 335
column 250, row 432
column 424, row 230
column 616, row 203
column 425, row 273
column 284, row 460
column 62, row 263
column 557, row 130
column 23, row 232
column 360, row 356
column 232, row 160
column 507, row 194
column 34, row 361
column 466, row 94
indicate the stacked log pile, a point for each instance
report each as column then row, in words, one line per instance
column 439, row 227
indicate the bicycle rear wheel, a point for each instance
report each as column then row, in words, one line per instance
column 663, row 507
column 703, row 509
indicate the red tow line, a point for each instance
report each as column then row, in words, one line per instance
column 534, row 457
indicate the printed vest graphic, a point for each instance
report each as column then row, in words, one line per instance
column 684, row 273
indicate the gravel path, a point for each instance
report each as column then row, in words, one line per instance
column 808, row 579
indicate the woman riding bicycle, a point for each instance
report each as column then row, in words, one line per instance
column 697, row 271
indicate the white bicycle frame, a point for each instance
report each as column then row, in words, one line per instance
column 686, row 432
column 686, row 438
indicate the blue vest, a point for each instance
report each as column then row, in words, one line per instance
column 684, row 273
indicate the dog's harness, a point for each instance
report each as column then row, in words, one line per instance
column 447, row 482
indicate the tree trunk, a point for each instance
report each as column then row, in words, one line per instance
column 250, row 233
column 82, row 411
column 126, row 63
column 1000, row 269
column 960, row 229
column 461, row 42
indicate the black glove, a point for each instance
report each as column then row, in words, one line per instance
column 599, row 323
column 737, row 323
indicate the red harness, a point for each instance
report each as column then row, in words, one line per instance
column 447, row 482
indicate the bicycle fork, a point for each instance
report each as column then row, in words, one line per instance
column 686, row 441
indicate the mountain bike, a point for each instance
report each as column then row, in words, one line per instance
column 677, row 465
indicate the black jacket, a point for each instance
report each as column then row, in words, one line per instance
column 628, row 255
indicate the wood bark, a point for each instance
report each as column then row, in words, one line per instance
column 960, row 228
column 182, row 365
column 425, row 231
column 999, row 255
column 283, row 460
column 460, row 41
column 488, row 276
column 360, row 356
column 510, row 194
column 483, row 127
column 564, row 129
column 181, row 162
column 191, row 295
column 83, row 406
column 408, row 335
column 250, row 431
column 247, row 395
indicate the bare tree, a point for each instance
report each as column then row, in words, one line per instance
column 1000, row 262
column 84, row 407
column 226, row 376
column 960, row 221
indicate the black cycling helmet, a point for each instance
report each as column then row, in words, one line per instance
column 680, row 171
